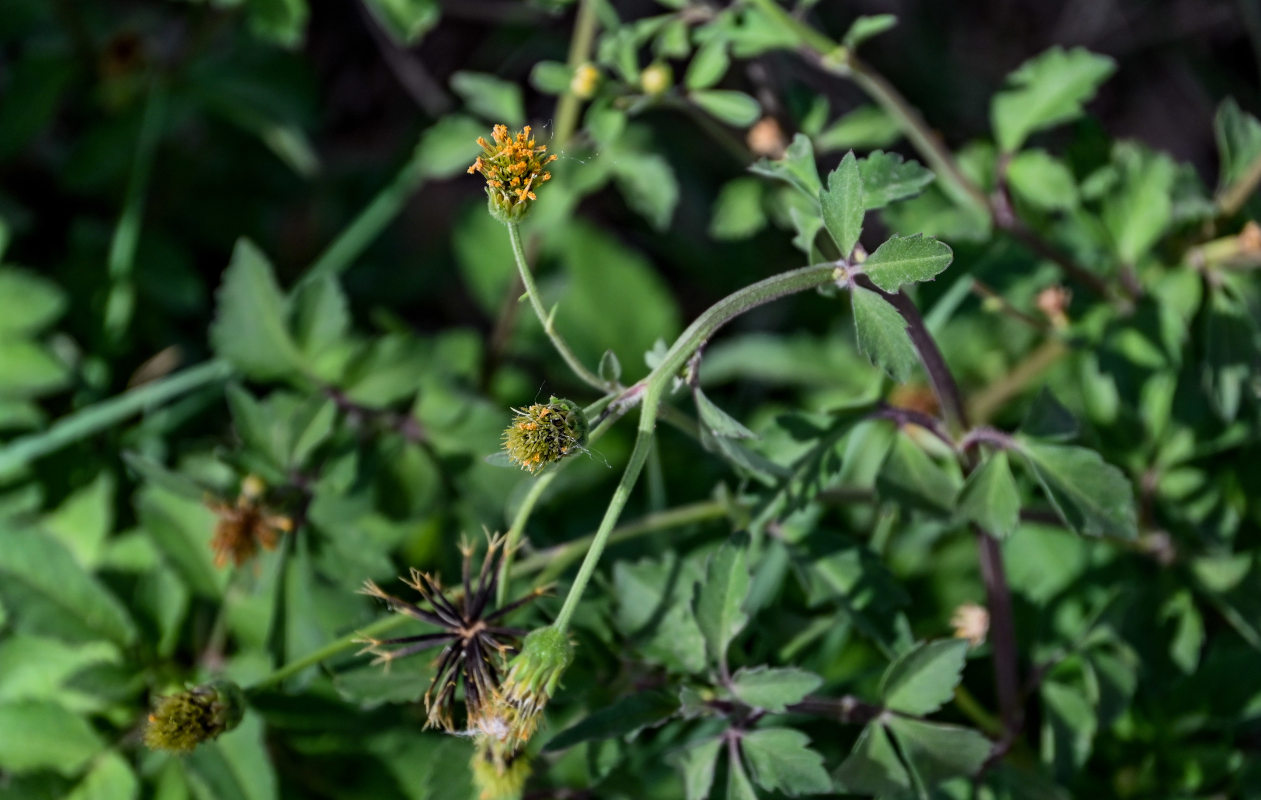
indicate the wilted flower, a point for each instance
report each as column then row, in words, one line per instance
column 246, row 525
column 474, row 645
column 513, row 166
column 532, row 679
column 971, row 622
column 543, row 433
column 180, row 722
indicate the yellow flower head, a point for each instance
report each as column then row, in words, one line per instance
column 514, row 166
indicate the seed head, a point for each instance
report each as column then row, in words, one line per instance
column 514, row 167
column 246, row 525
column 543, row 433
column 532, row 679
column 180, row 722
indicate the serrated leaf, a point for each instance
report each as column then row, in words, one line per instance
column 907, row 259
column 865, row 27
column 1045, row 91
column 40, row 734
column 937, row 753
column 781, row 759
column 1238, row 137
column 873, row 767
column 720, row 600
column 1139, row 211
column 1048, row 419
column 697, row 765
column 625, row 717
column 1043, row 181
column 990, row 497
column 719, row 422
column 842, row 205
column 321, row 317
column 249, row 329
column 708, row 65
column 1091, row 496
column 911, row 477
column 887, row 179
column 734, row 108
column 924, row 678
column 797, row 167
column 738, row 210
column 491, row 98
column 863, row 128
column 52, row 593
column 882, row 335
column 773, row 689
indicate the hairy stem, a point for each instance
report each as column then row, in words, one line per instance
column 97, row 417
column 562, row 347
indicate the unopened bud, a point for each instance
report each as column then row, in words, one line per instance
column 180, row 722
column 544, row 433
column 656, row 79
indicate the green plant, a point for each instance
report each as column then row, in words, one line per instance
column 976, row 517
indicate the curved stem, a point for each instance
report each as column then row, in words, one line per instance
column 97, row 417
column 579, row 52
column 531, row 290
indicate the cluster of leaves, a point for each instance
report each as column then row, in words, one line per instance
column 774, row 616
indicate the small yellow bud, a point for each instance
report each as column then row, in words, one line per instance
column 971, row 622
column 180, row 722
column 656, row 79
column 585, row 81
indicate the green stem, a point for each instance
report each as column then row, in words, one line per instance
column 326, row 652
column 99, row 416
column 366, row 227
column 531, row 290
column 579, row 53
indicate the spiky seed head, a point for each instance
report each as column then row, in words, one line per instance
column 514, row 167
column 544, row 433
column 180, row 722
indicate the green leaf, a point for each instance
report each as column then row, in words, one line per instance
column 873, row 767
column 773, row 689
column 842, row 205
column 865, row 27
column 235, row 766
column 1069, row 724
column 445, row 147
column 249, row 328
column 110, row 778
column 990, row 497
column 1188, row 636
column 720, row 600
column 1238, row 142
column 697, row 765
column 321, row 320
column 625, row 717
column 708, row 65
column 491, row 98
column 887, row 179
column 781, row 759
column 406, row 20
column 653, row 607
column 1091, row 496
column 863, row 128
column 924, row 678
column 738, row 786
column 84, row 519
column 280, row 21
column 648, row 183
column 738, row 210
column 28, row 302
column 182, row 529
column 51, row 593
column 734, row 108
column 1231, row 347
column 1140, row 210
column 718, row 421
column 797, row 168
column 28, row 369
column 551, row 77
column 1048, row 419
column 37, row 667
column 907, row 259
column 937, row 752
column 39, row 734
column 1046, row 90
column 911, row 477
column 882, row 335
column 1042, row 181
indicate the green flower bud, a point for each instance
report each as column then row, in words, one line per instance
column 656, row 79
column 532, row 680
column 180, row 722
column 544, row 433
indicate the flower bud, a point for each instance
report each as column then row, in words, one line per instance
column 544, row 433
column 180, row 722
column 585, row 81
column 532, row 679
column 656, row 79
column 971, row 622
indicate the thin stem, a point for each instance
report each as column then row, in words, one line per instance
column 527, row 279
column 579, row 53
column 366, row 227
column 985, row 403
column 643, row 442
column 847, row 709
column 97, row 417
column 326, row 652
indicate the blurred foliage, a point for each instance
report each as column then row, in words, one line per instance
column 249, row 296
